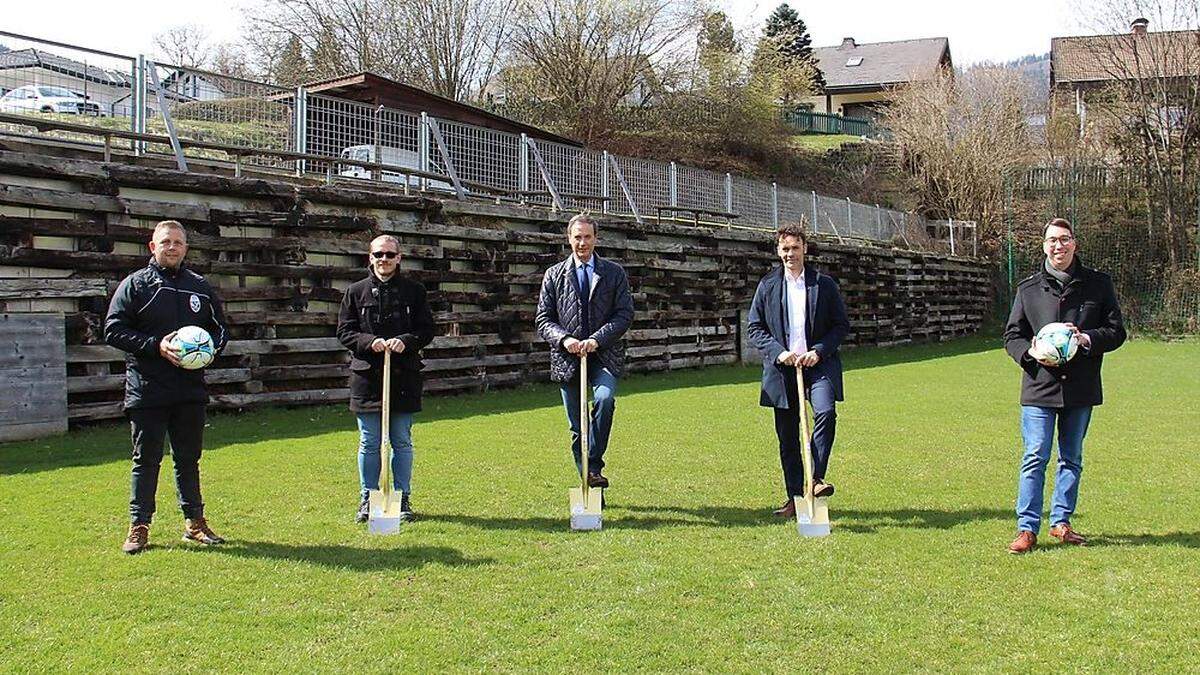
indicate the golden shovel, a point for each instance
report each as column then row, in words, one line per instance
column 384, row 515
column 587, row 503
column 812, row 513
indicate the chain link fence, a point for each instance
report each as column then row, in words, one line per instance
column 1119, row 231
column 130, row 93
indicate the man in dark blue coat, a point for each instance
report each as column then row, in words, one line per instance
column 798, row 320
column 161, row 398
column 1063, row 290
column 585, row 307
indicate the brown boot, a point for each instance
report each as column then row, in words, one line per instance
column 138, row 538
column 197, row 530
column 1025, row 542
column 788, row 510
column 1066, row 535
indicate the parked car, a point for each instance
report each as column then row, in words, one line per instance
column 400, row 157
column 38, row 98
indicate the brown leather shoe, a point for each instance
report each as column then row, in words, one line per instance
column 788, row 510
column 597, row 480
column 138, row 538
column 1066, row 535
column 197, row 530
column 1025, row 542
column 822, row 489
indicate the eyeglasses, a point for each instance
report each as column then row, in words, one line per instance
column 1063, row 240
column 384, row 254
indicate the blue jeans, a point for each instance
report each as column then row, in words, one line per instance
column 604, row 401
column 369, row 463
column 1037, row 430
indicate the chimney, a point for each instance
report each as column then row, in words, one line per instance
column 848, row 43
column 1138, row 26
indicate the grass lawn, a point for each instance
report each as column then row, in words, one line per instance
column 822, row 143
column 690, row 571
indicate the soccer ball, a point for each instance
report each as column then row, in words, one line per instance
column 195, row 347
column 1058, row 342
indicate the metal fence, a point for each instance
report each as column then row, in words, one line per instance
column 122, row 92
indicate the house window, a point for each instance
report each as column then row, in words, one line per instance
column 853, row 61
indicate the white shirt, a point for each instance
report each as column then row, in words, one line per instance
column 796, row 298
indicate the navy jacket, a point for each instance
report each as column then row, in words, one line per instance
column 375, row 309
column 149, row 304
column 1090, row 302
column 559, row 316
column 825, row 328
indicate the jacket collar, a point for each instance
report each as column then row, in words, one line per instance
column 164, row 271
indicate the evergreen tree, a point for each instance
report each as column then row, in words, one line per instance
column 291, row 69
column 787, row 30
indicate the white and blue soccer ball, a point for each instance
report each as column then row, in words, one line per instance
column 1057, row 342
column 195, row 347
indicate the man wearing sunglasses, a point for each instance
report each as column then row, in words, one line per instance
column 1062, row 290
column 382, row 312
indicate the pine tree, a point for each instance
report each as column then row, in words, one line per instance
column 788, row 30
column 291, row 69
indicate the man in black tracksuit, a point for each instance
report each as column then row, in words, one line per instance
column 162, row 398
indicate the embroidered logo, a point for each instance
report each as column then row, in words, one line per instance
column 195, row 304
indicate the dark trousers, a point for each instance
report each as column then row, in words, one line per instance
column 787, row 428
column 184, row 424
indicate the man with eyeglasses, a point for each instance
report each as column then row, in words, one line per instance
column 382, row 312
column 1062, row 290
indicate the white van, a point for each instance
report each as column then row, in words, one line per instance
column 408, row 159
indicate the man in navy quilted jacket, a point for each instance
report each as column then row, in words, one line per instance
column 585, row 307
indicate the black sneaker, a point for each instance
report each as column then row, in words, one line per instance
column 364, row 509
column 406, row 512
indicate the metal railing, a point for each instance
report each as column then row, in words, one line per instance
column 805, row 121
column 315, row 134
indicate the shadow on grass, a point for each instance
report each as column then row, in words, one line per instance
column 349, row 557
column 649, row 517
column 1184, row 539
column 104, row 443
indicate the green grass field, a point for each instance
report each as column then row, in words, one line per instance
column 690, row 572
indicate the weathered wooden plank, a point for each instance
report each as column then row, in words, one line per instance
column 29, row 289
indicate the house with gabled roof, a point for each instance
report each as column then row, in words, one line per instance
column 859, row 77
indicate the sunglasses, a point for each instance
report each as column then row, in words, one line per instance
column 384, row 254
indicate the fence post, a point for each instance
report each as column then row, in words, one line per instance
column 523, row 179
column 728, row 193
column 377, row 140
column 300, row 128
column 849, row 219
column 674, row 186
column 815, row 228
column 878, row 223
column 423, row 148
column 604, row 191
column 139, row 103
column 775, row 204
column 951, row 236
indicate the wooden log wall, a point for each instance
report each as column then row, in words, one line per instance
column 282, row 252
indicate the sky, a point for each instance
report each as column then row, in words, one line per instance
column 995, row 30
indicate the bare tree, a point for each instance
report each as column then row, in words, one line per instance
column 1147, row 111
column 959, row 138
column 453, row 48
column 576, row 61
column 184, row 45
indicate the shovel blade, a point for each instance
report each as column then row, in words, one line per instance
column 816, row 525
column 587, row 511
column 384, row 512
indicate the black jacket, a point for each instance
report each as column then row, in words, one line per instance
column 374, row 309
column 825, row 327
column 149, row 304
column 559, row 316
column 1089, row 301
